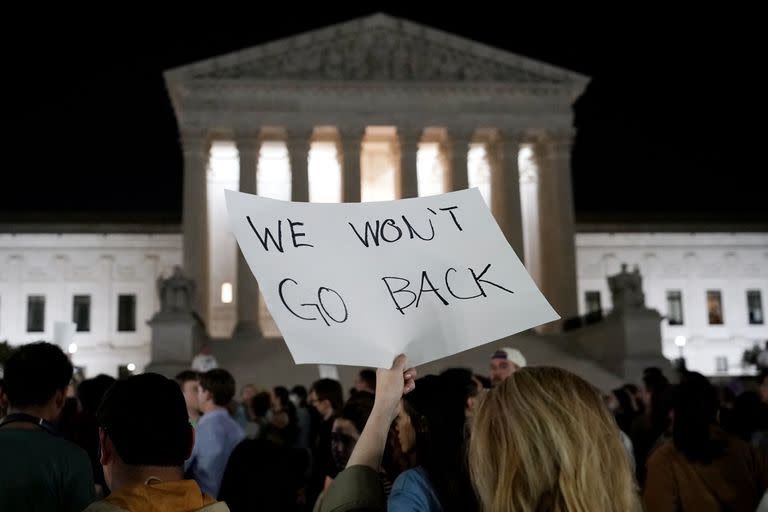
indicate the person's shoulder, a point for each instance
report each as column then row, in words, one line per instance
column 663, row 452
column 410, row 478
column 64, row 447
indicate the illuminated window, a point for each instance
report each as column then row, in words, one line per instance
column 714, row 307
column 226, row 293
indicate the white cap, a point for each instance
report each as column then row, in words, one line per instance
column 510, row 354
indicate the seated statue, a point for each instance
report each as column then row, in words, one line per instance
column 176, row 292
column 627, row 289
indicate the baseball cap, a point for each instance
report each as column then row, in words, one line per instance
column 510, row 354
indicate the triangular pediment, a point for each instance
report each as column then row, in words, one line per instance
column 377, row 48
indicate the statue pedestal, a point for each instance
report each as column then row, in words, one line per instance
column 176, row 339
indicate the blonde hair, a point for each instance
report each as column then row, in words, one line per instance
column 543, row 441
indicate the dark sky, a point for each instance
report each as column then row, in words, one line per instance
column 664, row 128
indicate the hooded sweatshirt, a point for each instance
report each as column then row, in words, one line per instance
column 175, row 496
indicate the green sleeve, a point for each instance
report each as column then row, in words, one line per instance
column 81, row 490
column 356, row 489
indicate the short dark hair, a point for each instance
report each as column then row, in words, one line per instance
column 460, row 381
column 282, row 393
column 90, row 392
column 358, row 409
column 301, row 392
column 34, row 373
column 261, row 404
column 186, row 376
column 369, row 377
column 145, row 416
column 220, row 384
column 329, row 389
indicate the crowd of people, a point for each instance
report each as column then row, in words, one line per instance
column 532, row 439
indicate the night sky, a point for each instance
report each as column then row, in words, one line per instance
column 664, row 129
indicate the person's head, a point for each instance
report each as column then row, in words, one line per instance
column 188, row 382
column 348, row 426
column 623, row 401
column 326, row 397
column 461, row 382
column 143, row 426
column 695, row 405
column 280, row 398
column 432, row 430
column 299, row 396
column 216, row 389
column 261, row 403
column 366, row 381
column 750, row 415
column 247, row 393
column 534, row 438
column 654, row 383
column 36, row 380
column 91, row 391
column 504, row 362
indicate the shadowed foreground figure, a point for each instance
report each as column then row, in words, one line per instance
column 144, row 438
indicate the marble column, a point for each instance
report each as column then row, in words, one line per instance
column 248, row 148
column 407, row 179
column 299, row 141
column 458, row 177
column 351, row 144
column 505, row 189
column 195, row 148
column 556, row 220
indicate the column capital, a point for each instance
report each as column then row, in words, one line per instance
column 350, row 133
column 554, row 140
column 460, row 134
column 248, row 140
column 299, row 132
column 194, row 139
column 507, row 137
column 406, row 134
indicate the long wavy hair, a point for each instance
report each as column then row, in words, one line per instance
column 544, row 441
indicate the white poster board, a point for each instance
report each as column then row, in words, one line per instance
column 359, row 283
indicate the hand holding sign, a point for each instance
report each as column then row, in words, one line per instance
column 359, row 283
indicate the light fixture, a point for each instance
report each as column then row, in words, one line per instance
column 680, row 341
column 72, row 348
column 131, row 367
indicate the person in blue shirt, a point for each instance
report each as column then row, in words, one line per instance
column 217, row 433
